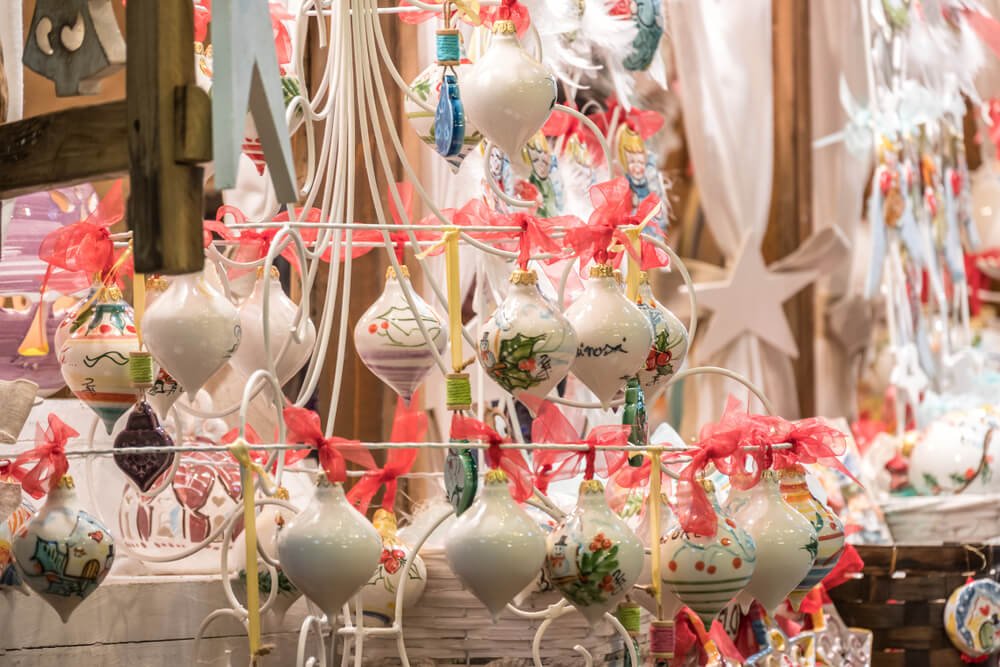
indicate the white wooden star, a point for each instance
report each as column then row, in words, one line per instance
column 750, row 301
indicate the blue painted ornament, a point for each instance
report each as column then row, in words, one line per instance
column 449, row 118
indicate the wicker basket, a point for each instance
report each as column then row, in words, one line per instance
column 944, row 519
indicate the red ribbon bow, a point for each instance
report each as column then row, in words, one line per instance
column 50, row 456
column 511, row 461
column 813, row 441
column 202, row 18
column 642, row 122
column 334, row 453
column 509, row 10
column 567, row 126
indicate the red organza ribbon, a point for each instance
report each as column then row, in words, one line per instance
column 562, row 124
column 644, row 123
column 282, row 39
column 813, row 441
column 691, row 636
column 511, row 461
column 253, row 244
column 49, row 456
column 202, row 18
column 977, row 280
column 509, row 10
column 334, row 453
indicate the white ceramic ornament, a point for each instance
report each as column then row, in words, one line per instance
column 398, row 564
column 191, row 330
column 670, row 342
column 494, row 547
column 427, row 88
column 614, row 335
column 69, row 318
column 786, row 543
column 166, row 389
column 955, row 452
column 389, row 341
column 63, row 553
column 329, row 550
column 282, row 311
column 94, row 357
column 508, row 94
column 593, row 558
column 527, row 345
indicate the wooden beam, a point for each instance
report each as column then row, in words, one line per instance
column 791, row 200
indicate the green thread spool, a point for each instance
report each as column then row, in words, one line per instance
column 458, row 391
column 630, row 616
column 449, row 51
column 140, row 369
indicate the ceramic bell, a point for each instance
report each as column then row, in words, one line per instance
column 63, row 553
column 707, row 573
column 670, row 342
column 389, row 341
column 329, row 550
column 829, row 530
column 94, row 358
column 508, row 94
column 166, row 389
column 614, row 335
column 786, row 543
column 282, row 311
column 427, row 88
column 527, row 345
column 192, row 330
column 593, row 558
column 398, row 564
column 494, row 547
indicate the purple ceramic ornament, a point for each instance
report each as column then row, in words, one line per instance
column 143, row 430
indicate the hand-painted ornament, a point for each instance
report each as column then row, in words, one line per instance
column 670, row 342
column 329, row 550
column 250, row 356
column 706, row 573
column 71, row 317
column 428, row 88
column 948, row 456
column 527, row 345
column 449, row 119
column 94, row 358
column 192, row 330
column 389, row 341
column 166, row 389
column 461, row 478
column 543, row 163
column 143, row 430
column 614, row 335
column 593, row 558
column 972, row 618
column 828, row 527
column 10, row 527
column 399, row 564
column 495, row 549
column 63, row 553
column 508, row 94
column 648, row 18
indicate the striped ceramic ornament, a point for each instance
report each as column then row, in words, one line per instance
column 706, row 573
column 829, row 529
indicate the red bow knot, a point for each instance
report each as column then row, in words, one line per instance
column 50, row 457
column 644, row 123
column 511, row 461
column 509, row 10
column 334, row 453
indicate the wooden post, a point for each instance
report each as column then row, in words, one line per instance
column 791, row 200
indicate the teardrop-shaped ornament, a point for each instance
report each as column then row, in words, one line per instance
column 449, row 119
column 166, row 389
column 143, row 430
column 670, row 342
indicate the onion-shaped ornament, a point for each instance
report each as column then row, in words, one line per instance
column 166, row 389
column 70, row 315
column 527, row 345
column 63, row 553
column 670, row 342
column 494, row 547
column 398, row 565
column 290, row 355
column 329, row 550
column 192, row 330
column 614, row 335
column 94, row 358
column 389, row 341
column 593, row 558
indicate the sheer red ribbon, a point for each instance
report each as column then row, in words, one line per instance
column 511, row 461
column 251, row 437
column 253, row 244
column 282, row 39
column 202, row 18
column 562, row 124
column 644, row 123
column 535, row 233
column 813, row 441
column 334, row 453
column 509, row 10
column 49, row 455
column 691, row 636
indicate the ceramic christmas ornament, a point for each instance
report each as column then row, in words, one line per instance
column 94, row 359
column 166, row 389
column 972, row 619
column 614, row 335
column 143, row 430
column 399, row 565
column 282, row 312
column 427, row 87
column 955, row 453
column 670, row 342
column 527, row 345
column 192, row 330
column 70, row 315
column 389, row 341
column 9, row 527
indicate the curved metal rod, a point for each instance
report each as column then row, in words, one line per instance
column 208, row 620
column 733, row 375
column 311, row 624
column 592, row 126
column 498, row 191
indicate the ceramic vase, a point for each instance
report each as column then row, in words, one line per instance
column 508, row 94
column 670, row 342
column 427, row 88
column 166, row 389
column 948, row 454
column 786, row 543
column 282, row 312
column 494, row 548
column 389, row 341
column 593, row 558
column 828, row 527
column 399, row 564
column 707, row 573
column 329, row 550
column 527, row 345
column 94, row 358
column 614, row 335
column 191, row 330
column 63, row 553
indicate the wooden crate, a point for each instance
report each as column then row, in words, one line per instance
column 901, row 599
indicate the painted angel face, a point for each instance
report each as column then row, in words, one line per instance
column 496, row 161
column 541, row 162
column 636, row 165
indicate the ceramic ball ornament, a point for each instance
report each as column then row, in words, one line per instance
column 670, row 342
column 398, row 565
column 494, row 548
column 508, row 94
column 614, row 335
column 290, row 355
column 329, row 550
column 527, row 345
column 192, row 330
column 63, row 553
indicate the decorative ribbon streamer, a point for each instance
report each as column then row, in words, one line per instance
column 334, row 453
column 511, row 461
column 50, row 457
column 643, row 123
